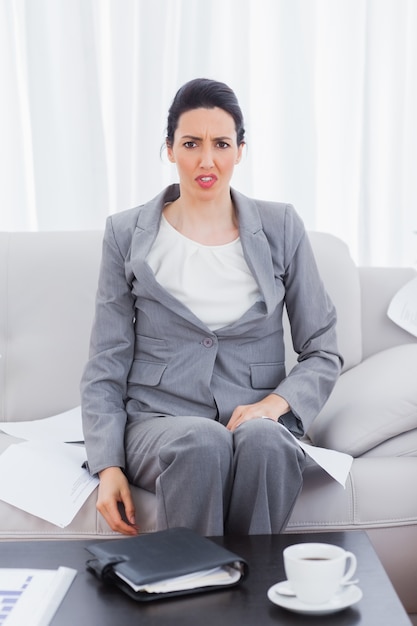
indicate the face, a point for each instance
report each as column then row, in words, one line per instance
column 205, row 152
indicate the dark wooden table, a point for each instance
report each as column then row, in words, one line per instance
column 92, row 603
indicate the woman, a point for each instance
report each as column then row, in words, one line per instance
column 185, row 393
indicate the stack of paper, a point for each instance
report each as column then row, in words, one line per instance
column 46, row 479
column 66, row 426
column 45, row 475
column 206, row 578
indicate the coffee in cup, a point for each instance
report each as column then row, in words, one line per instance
column 316, row 571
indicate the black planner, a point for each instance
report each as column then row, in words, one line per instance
column 166, row 563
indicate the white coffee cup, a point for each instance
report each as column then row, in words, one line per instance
column 316, row 571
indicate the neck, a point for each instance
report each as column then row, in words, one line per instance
column 210, row 223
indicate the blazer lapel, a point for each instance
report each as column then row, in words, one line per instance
column 146, row 230
column 256, row 248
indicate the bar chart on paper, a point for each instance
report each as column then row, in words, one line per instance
column 9, row 597
column 10, row 591
column 32, row 596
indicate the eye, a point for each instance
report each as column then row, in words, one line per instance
column 190, row 144
column 222, row 145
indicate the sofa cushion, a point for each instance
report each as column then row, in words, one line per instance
column 370, row 403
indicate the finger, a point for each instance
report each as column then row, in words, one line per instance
column 126, row 529
column 130, row 510
column 112, row 516
column 236, row 422
column 233, row 422
column 245, row 417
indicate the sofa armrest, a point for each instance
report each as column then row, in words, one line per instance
column 378, row 287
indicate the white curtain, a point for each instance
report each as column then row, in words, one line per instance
column 328, row 89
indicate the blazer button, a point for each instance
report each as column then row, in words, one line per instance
column 208, row 342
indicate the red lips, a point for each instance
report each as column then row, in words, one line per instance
column 206, row 181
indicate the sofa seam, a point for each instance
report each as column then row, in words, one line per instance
column 387, row 522
column 6, row 328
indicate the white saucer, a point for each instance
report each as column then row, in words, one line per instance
column 348, row 596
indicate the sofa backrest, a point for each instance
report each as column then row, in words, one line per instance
column 48, row 283
column 341, row 280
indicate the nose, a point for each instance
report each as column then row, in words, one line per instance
column 207, row 160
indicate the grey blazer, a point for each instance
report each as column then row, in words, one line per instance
column 150, row 355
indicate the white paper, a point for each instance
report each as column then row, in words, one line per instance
column 33, row 595
column 46, row 479
column 65, row 426
column 205, row 578
column 336, row 464
column 403, row 307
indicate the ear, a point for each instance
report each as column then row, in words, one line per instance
column 240, row 152
column 170, row 152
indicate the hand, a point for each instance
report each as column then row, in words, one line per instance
column 114, row 488
column 273, row 406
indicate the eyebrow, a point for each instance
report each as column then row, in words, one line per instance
column 192, row 137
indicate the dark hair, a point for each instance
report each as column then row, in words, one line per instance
column 207, row 94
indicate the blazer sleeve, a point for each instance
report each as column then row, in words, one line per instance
column 104, row 381
column 313, row 319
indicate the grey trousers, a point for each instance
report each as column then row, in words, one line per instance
column 214, row 481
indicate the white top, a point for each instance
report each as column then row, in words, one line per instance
column 214, row 282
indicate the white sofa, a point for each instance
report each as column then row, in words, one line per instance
column 47, row 291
